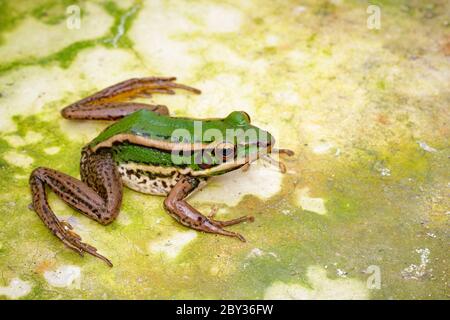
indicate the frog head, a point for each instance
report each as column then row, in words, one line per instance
column 235, row 144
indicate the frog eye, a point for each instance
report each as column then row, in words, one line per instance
column 224, row 151
column 227, row 152
column 247, row 116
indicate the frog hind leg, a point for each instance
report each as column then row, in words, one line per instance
column 109, row 111
column 98, row 196
column 111, row 102
column 184, row 213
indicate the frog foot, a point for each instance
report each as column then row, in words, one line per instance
column 73, row 240
column 213, row 211
column 286, row 152
column 221, row 224
column 114, row 102
column 274, row 162
column 71, row 191
column 184, row 213
column 209, row 225
column 68, row 228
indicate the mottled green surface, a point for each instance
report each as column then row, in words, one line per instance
column 367, row 112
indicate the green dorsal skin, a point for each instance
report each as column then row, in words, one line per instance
column 160, row 127
column 132, row 153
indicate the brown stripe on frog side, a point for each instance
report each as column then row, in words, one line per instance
column 152, row 143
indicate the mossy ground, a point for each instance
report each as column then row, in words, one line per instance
column 367, row 112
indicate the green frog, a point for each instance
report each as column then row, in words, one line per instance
column 151, row 152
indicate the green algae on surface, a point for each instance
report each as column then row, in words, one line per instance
column 116, row 37
column 365, row 110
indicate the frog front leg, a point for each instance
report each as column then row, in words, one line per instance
column 184, row 213
column 98, row 196
column 110, row 103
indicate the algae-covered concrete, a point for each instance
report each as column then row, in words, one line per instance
column 359, row 90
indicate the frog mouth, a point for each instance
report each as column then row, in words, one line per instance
column 264, row 153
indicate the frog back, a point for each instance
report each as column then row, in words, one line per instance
column 153, row 126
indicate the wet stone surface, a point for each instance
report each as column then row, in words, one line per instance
column 363, row 211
